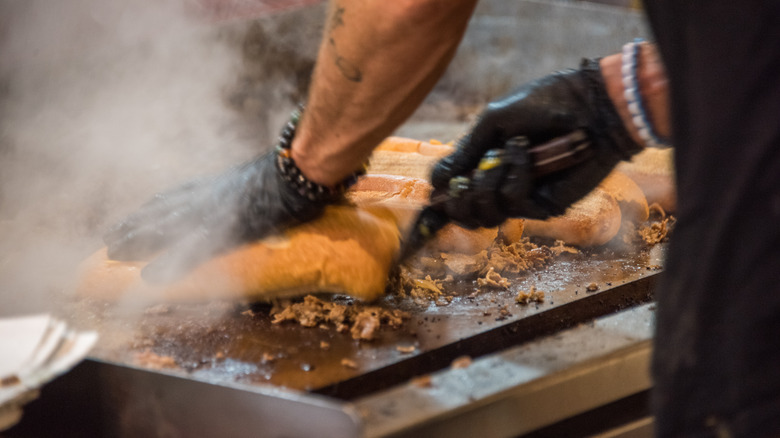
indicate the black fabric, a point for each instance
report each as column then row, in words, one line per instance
column 717, row 346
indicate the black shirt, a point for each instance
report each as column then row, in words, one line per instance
column 717, row 344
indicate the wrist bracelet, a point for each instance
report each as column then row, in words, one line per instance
column 295, row 178
column 636, row 108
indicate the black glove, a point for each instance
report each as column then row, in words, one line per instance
column 492, row 173
column 208, row 216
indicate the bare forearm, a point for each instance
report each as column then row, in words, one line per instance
column 377, row 62
column 653, row 87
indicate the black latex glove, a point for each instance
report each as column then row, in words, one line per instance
column 497, row 181
column 207, row 216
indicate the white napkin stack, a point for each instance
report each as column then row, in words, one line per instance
column 33, row 351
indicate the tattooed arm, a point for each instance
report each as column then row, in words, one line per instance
column 377, row 62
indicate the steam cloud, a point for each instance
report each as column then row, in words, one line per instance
column 102, row 104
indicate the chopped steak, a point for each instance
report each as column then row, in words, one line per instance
column 560, row 248
column 360, row 320
column 656, row 232
column 493, row 279
column 532, row 296
column 427, row 279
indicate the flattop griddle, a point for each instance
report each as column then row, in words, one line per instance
column 230, row 342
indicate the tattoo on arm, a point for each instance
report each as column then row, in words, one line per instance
column 337, row 19
column 349, row 70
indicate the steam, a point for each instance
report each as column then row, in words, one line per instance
column 102, row 104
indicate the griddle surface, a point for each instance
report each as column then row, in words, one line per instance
column 220, row 342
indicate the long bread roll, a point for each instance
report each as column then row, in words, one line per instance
column 406, row 157
column 593, row 220
column 347, row 250
column 597, row 218
column 653, row 170
column 629, row 196
column 405, row 197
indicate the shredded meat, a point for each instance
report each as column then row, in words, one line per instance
column 531, row 296
column 421, row 287
column 560, row 248
column 516, row 257
column 429, row 278
column 656, row 232
column 360, row 320
column 493, row 279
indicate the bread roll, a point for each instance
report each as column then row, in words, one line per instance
column 453, row 238
column 653, row 171
column 405, row 197
column 399, row 144
column 597, row 218
column 347, row 250
column 512, row 230
column 594, row 220
column 409, row 145
column 435, row 150
column 406, row 157
column 629, row 196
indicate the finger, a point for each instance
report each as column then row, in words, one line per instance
column 484, row 196
column 518, row 183
column 199, row 246
column 457, row 206
column 486, row 134
column 478, row 204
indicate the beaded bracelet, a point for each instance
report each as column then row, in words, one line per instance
column 636, row 108
column 295, row 178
